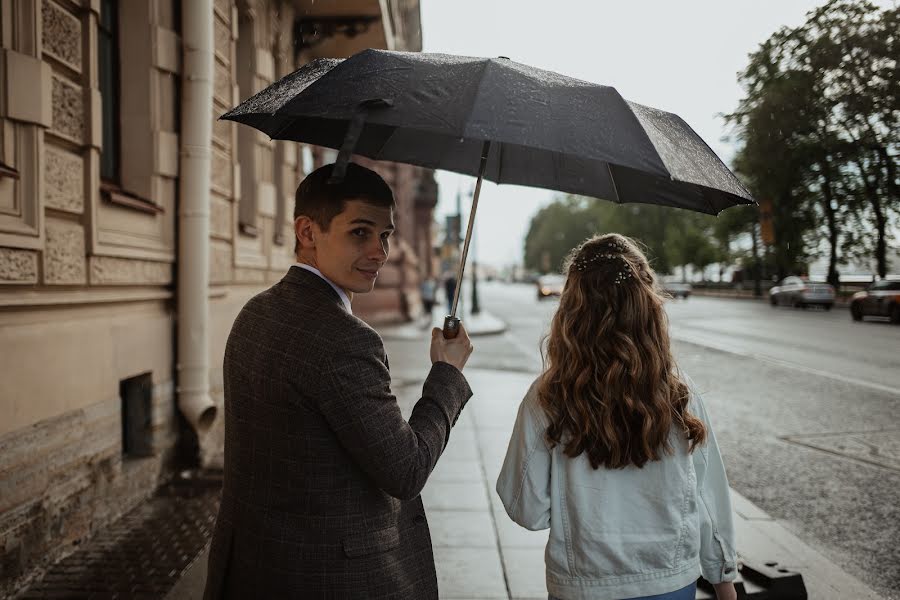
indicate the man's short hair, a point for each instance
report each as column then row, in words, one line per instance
column 322, row 201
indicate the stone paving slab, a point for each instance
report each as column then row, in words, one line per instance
column 461, row 528
column 467, row 572
column 525, row 572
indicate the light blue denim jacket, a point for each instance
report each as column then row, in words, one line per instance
column 621, row 533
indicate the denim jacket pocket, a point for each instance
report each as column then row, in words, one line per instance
column 371, row 542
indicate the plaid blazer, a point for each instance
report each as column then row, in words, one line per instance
column 322, row 473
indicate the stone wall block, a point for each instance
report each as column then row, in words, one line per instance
column 64, row 179
column 68, row 110
column 109, row 270
column 64, row 253
column 221, row 172
column 222, row 132
column 222, row 83
column 18, row 266
column 220, row 268
column 61, row 34
column 222, row 33
column 220, row 217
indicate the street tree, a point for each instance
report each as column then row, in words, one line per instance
column 819, row 126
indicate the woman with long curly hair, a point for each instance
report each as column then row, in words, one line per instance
column 612, row 449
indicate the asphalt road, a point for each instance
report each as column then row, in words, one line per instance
column 805, row 405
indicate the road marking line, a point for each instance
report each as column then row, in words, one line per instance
column 699, row 341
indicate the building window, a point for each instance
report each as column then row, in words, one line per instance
column 137, row 416
column 107, row 43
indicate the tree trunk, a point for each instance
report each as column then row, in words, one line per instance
column 880, row 220
column 827, row 191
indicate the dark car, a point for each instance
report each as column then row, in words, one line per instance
column 795, row 291
column 881, row 299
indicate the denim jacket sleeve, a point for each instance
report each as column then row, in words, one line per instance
column 524, row 481
column 718, row 558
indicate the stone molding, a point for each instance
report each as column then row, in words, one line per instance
column 27, row 85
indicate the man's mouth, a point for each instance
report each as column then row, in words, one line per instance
column 369, row 273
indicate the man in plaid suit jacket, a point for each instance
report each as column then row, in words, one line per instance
column 322, row 473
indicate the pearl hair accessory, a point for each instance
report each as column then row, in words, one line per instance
column 626, row 272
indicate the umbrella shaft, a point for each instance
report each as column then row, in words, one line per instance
column 462, row 260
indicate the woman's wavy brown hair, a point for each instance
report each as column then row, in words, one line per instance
column 610, row 387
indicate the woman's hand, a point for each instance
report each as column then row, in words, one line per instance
column 725, row 591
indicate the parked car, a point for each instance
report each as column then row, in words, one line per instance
column 881, row 299
column 678, row 290
column 550, row 285
column 794, row 291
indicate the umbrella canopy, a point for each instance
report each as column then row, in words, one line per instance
column 545, row 130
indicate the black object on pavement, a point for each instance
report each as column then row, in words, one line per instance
column 761, row 581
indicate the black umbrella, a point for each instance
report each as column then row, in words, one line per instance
column 497, row 119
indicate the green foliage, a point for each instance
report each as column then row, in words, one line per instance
column 669, row 236
column 819, row 131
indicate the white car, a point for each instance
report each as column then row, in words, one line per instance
column 794, row 291
column 677, row 289
column 550, row 285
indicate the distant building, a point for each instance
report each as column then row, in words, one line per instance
column 97, row 353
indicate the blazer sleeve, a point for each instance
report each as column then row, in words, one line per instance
column 524, row 481
column 356, row 401
column 718, row 557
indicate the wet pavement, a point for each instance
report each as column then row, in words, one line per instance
column 812, row 459
column 143, row 554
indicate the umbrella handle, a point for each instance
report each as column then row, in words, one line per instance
column 485, row 150
column 451, row 327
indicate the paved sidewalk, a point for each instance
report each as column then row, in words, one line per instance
column 479, row 552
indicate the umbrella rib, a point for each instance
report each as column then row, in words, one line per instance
column 612, row 180
column 385, row 143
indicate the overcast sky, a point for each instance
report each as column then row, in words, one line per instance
column 680, row 56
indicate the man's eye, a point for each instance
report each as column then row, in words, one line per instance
column 359, row 232
column 386, row 235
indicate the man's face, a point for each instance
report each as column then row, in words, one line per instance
column 355, row 246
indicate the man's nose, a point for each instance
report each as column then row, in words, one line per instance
column 379, row 250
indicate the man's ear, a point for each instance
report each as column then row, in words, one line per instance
column 304, row 229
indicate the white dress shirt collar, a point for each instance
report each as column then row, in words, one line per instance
column 344, row 298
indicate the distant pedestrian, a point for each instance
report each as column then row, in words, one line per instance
column 450, row 290
column 612, row 449
column 428, row 290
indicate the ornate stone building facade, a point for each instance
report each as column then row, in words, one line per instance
column 90, row 97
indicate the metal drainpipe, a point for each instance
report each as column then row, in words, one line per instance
column 194, row 400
